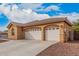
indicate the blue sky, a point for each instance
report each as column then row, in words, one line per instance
column 64, row 8
column 3, row 20
column 52, row 9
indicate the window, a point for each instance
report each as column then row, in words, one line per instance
column 13, row 31
column 49, row 28
column 53, row 28
column 57, row 28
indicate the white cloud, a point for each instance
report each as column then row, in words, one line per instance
column 30, row 5
column 21, row 16
column 4, row 9
column 43, row 16
column 27, row 11
column 24, row 15
column 49, row 8
column 71, row 16
column 53, row 7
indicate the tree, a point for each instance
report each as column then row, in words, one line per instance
column 76, row 25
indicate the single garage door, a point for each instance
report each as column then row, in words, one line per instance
column 34, row 34
column 52, row 33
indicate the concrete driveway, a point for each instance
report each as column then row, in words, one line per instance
column 23, row 47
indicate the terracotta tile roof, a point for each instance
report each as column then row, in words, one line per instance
column 49, row 20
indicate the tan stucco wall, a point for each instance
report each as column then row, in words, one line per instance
column 18, row 35
column 9, row 32
column 62, row 26
column 20, row 32
column 68, row 29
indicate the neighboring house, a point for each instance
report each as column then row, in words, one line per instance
column 3, row 34
column 52, row 29
column 0, row 33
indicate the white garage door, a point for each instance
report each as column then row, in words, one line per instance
column 53, row 34
column 34, row 33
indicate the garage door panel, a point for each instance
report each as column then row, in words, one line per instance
column 28, row 35
column 53, row 34
column 33, row 34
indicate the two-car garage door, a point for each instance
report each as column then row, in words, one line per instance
column 51, row 34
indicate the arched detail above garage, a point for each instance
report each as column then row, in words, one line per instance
column 49, row 26
column 32, row 28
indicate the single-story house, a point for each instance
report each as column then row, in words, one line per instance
column 57, row 29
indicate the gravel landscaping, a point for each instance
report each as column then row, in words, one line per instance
column 62, row 49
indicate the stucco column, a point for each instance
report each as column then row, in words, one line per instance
column 43, row 33
column 72, row 35
column 62, row 34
